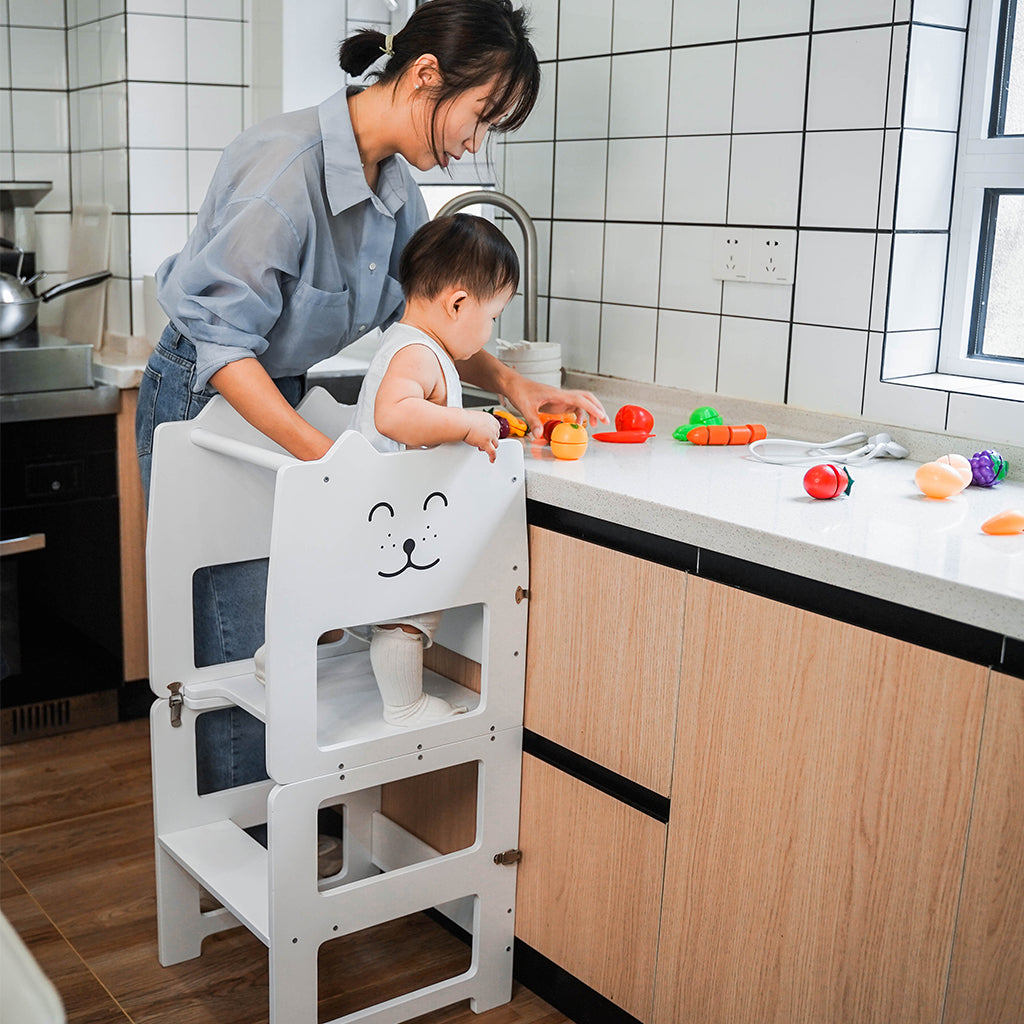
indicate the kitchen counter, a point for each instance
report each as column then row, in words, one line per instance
column 884, row 540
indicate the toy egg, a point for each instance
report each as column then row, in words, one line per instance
column 1004, row 524
column 938, row 480
column 961, row 464
column 827, row 481
column 988, row 467
column 568, row 441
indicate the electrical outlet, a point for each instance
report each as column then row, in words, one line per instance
column 771, row 256
column 730, row 259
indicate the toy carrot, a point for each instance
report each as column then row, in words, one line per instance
column 724, row 434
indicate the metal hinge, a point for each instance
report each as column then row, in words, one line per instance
column 176, row 700
column 522, row 595
column 508, row 857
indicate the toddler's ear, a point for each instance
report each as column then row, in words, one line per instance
column 454, row 302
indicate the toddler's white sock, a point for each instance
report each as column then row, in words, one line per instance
column 397, row 660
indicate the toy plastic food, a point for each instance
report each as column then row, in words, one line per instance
column 624, row 436
column 720, row 434
column 704, row 416
column 504, row 429
column 989, row 467
column 960, row 464
column 938, row 480
column 1004, row 523
column 634, row 417
column 827, row 481
column 517, row 427
column 568, row 441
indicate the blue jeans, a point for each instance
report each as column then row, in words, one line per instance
column 228, row 601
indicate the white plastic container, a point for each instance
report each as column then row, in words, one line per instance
column 539, row 360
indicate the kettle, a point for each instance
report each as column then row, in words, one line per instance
column 18, row 306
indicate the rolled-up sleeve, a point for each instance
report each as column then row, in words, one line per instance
column 231, row 288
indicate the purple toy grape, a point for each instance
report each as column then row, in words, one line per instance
column 988, row 468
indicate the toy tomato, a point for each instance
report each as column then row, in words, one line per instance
column 549, row 426
column 634, row 417
column 568, row 441
column 827, row 481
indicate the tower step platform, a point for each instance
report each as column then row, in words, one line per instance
column 355, row 538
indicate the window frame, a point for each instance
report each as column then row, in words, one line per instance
column 984, row 164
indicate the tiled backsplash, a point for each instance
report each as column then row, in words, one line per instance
column 658, row 123
column 663, row 121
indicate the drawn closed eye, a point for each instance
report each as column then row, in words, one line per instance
column 379, row 505
column 430, row 497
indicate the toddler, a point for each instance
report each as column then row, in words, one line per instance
column 457, row 274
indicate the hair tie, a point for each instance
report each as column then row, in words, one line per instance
column 387, row 48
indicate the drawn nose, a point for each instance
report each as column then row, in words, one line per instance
column 409, row 546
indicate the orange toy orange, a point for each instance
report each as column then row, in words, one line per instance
column 568, row 441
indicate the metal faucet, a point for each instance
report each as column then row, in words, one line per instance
column 504, row 202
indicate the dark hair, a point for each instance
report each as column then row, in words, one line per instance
column 460, row 251
column 473, row 40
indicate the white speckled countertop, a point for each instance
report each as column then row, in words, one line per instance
column 885, row 539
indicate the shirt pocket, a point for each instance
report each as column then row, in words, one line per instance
column 316, row 321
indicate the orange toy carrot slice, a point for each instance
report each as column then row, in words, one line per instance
column 1003, row 523
column 723, row 434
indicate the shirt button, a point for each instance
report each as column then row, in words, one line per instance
column 373, row 266
column 362, row 327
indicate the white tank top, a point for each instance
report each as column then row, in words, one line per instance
column 394, row 339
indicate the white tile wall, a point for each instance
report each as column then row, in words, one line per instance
column 827, row 369
column 752, row 359
column 764, row 180
column 631, row 256
column 687, row 354
column 697, row 178
column 660, row 121
column 841, row 179
column 771, row 78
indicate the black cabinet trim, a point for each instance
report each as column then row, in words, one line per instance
column 556, row 986
column 640, row 798
column 925, row 629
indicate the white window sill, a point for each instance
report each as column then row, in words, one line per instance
column 1006, row 390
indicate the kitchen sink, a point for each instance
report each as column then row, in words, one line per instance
column 32, row 362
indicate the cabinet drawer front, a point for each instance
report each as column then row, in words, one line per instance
column 603, row 655
column 588, row 894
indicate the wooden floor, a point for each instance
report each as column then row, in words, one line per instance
column 77, row 884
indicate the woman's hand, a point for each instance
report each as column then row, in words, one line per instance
column 482, row 432
column 531, row 397
column 528, row 396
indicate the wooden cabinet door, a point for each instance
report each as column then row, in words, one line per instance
column 603, row 648
column 986, row 984
column 132, row 509
column 821, row 797
column 588, row 893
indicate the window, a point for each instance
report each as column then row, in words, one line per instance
column 983, row 326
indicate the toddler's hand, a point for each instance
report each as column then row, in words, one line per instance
column 482, row 432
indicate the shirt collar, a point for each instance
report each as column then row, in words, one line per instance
column 343, row 170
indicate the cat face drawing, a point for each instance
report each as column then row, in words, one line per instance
column 407, row 538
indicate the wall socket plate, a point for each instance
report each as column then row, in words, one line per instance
column 771, row 256
column 758, row 255
column 730, row 259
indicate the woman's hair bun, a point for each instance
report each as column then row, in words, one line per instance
column 361, row 50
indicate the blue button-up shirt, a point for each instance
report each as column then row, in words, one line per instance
column 293, row 256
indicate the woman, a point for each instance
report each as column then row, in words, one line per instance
column 295, row 255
